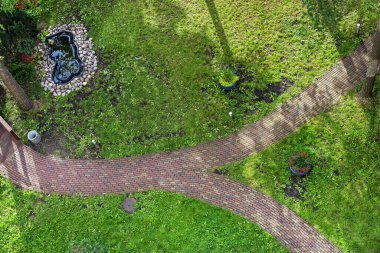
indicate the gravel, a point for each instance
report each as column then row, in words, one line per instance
column 86, row 54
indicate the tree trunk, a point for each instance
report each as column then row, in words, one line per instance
column 14, row 88
column 367, row 89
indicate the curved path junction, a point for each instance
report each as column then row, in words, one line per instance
column 186, row 171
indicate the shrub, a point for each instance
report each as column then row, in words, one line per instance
column 18, row 31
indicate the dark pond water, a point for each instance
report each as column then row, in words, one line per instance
column 64, row 53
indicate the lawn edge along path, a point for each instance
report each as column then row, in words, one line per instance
column 186, row 171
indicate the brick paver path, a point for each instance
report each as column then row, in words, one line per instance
column 185, row 171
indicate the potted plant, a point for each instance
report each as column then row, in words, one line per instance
column 300, row 164
column 228, row 80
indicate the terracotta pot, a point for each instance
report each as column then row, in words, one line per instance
column 299, row 171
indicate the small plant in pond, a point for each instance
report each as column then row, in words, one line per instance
column 228, row 79
column 300, row 164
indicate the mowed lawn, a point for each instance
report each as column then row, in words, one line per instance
column 160, row 61
column 164, row 222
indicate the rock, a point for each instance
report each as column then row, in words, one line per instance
column 128, row 205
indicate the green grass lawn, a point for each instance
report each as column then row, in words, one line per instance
column 164, row 222
column 156, row 89
column 341, row 195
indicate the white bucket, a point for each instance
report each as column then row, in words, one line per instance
column 34, row 137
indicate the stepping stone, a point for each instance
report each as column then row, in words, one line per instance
column 129, row 205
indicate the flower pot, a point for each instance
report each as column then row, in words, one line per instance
column 228, row 88
column 294, row 166
column 228, row 79
column 34, row 137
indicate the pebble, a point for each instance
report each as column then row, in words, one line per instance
column 86, row 53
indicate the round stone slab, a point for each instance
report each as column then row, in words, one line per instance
column 129, row 205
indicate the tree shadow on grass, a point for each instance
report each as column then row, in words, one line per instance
column 374, row 114
column 327, row 16
column 219, row 30
column 331, row 15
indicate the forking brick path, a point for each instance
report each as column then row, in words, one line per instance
column 186, row 171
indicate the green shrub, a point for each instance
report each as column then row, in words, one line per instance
column 26, row 46
column 18, row 31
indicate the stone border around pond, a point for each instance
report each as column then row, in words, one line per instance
column 86, row 54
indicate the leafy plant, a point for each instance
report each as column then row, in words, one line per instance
column 300, row 162
column 18, row 31
column 228, row 77
column 26, row 46
column 8, row 5
column 27, row 4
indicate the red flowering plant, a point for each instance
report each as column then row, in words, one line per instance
column 300, row 164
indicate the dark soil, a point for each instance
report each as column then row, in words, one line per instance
column 244, row 75
column 221, row 171
column 272, row 90
column 52, row 145
column 296, row 188
column 32, row 215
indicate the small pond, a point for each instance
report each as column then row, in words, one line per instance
column 64, row 53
